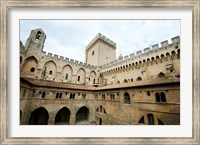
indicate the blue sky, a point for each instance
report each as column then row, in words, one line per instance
column 69, row 38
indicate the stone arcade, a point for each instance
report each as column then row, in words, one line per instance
column 141, row 88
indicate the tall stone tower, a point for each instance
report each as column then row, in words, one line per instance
column 35, row 42
column 100, row 51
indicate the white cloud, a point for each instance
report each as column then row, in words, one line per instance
column 70, row 37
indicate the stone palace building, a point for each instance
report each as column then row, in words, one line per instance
column 141, row 88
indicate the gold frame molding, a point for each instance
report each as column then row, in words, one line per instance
column 5, row 5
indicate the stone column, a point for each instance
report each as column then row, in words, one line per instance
column 72, row 120
column 51, row 120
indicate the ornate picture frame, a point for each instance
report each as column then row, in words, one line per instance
column 4, row 59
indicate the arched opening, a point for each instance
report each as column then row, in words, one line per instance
column 150, row 119
column 162, row 97
column 50, row 70
column 63, row 116
column 131, row 80
column 81, row 76
column 160, row 122
column 139, row 79
column 127, row 99
column 173, row 54
column 57, row 95
column 141, row 121
column 125, row 81
column 161, row 75
column 82, row 115
column 66, row 73
column 39, row 116
column 29, row 66
column 157, row 97
column 43, row 94
column 37, row 37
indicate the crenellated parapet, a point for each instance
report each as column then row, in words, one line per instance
column 56, row 58
column 102, row 37
column 148, row 52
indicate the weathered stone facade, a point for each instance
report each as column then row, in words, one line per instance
column 143, row 88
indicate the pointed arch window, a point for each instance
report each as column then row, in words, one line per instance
column 127, row 99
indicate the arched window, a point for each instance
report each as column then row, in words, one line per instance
column 39, row 95
column 38, row 35
column 127, row 98
column 50, row 72
column 161, row 74
column 160, row 97
column 43, row 94
column 66, row 76
column 125, row 81
column 32, row 69
column 139, row 79
column 131, row 80
column 94, row 81
column 150, row 119
column 60, row 96
column 157, row 97
column 57, row 95
column 163, row 98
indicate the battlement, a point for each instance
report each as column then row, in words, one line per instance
column 145, row 52
column 102, row 37
column 56, row 57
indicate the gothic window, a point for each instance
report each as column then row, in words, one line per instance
column 66, row 76
column 38, row 35
column 41, row 94
column 127, row 99
column 72, row 96
column 160, row 97
column 157, row 97
column 57, row 95
column 60, row 96
column 32, row 69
